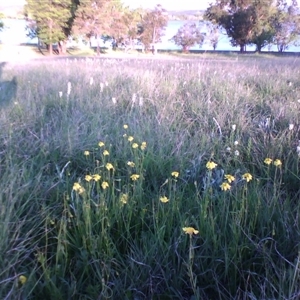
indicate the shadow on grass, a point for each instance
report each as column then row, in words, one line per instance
column 8, row 89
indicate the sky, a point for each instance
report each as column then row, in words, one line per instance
column 170, row 4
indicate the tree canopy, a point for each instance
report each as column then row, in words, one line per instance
column 1, row 22
column 188, row 35
column 52, row 19
column 152, row 26
column 258, row 22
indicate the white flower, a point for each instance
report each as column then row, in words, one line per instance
column 236, row 153
column 233, row 127
column 236, row 143
column 60, row 94
column 141, row 101
column 228, row 149
column 113, row 99
column 101, row 86
column 291, row 126
column 91, row 80
column 69, row 88
column 133, row 98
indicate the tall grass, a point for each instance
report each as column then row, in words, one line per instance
column 142, row 231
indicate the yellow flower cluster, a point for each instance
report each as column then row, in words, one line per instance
column 104, row 185
column 164, row 199
column 78, row 188
column 225, row 186
column 190, row 230
column 131, row 164
column 109, row 166
column 175, row 174
column 124, row 198
column 210, row 165
column 134, row 177
column 95, row 177
column 105, row 153
column 277, row 162
column 247, row 177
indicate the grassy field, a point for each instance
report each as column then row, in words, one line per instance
column 150, row 179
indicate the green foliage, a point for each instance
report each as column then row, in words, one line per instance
column 64, row 234
column 51, row 18
column 286, row 23
column 98, row 18
column 152, row 26
column 1, row 22
column 256, row 22
column 188, row 35
column 212, row 34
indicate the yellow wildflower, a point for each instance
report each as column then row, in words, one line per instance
column 135, row 145
column 229, row 178
column 86, row 153
column 81, row 190
column 101, row 144
column 175, row 174
column 125, row 126
column 109, row 166
column 143, row 145
column 105, row 153
column 124, row 198
column 131, row 164
column 134, row 177
column 247, row 177
column 22, row 279
column 76, row 186
column 130, row 138
column 190, row 230
column 105, row 185
column 210, row 165
column 277, row 162
column 96, row 177
column 225, row 186
column 88, row 178
column 164, row 199
column 268, row 161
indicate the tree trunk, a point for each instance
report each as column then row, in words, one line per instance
column 98, row 45
column 258, row 48
column 62, row 47
column 50, row 49
column 185, row 49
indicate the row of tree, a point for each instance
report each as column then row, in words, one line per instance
column 53, row 21
column 257, row 22
column 246, row 22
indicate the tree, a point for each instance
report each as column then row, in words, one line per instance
column 263, row 32
column 212, row 34
column 130, row 21
column 242, row 19
column 94, row 18
column 286, row 24
column 1, row 22
column 152, row 26
column 187, row 36
column 51, row 19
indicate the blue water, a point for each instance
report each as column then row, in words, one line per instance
column 15, row 33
